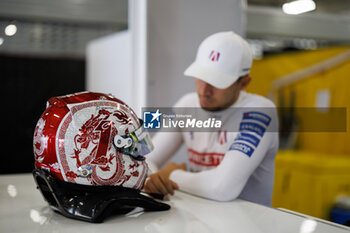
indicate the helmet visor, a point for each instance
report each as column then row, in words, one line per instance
column 91, row 203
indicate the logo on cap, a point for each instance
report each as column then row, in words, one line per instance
column 214, row 55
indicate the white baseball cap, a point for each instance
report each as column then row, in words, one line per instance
column 221, row 59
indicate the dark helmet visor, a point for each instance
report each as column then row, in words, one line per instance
column 91, row 203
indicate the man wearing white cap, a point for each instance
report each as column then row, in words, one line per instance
column 223, row 165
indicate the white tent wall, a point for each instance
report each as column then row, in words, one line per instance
column 144, row 66
column 149, row 59
column 175, row 30
column 109, row 65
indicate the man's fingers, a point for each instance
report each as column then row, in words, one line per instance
column 150, row 187
column 158, row 183
column 183, row 166
column 174, row 185
column 167, row 183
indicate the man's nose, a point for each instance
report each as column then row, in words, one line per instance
column 207, row 89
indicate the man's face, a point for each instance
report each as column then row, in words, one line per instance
column 214, row 99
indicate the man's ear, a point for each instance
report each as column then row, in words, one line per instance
column 245, row 80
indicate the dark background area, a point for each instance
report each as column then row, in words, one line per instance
column 27, row 83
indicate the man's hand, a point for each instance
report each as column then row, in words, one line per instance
column 159, row 182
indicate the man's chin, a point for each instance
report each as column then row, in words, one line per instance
column 210, row 108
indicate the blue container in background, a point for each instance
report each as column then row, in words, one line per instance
column 340, row 215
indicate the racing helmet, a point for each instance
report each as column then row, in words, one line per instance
column 89, row 153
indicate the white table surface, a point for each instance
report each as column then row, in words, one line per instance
column 23, row 209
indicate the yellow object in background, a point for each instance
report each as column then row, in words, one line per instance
column 333, row 82
column 317, row 170
column 273, row 67
column 309, row 182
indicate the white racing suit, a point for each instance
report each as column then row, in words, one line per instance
column 225, row 165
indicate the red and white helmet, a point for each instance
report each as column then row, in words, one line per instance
column 74, row 139
column 89, row 139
